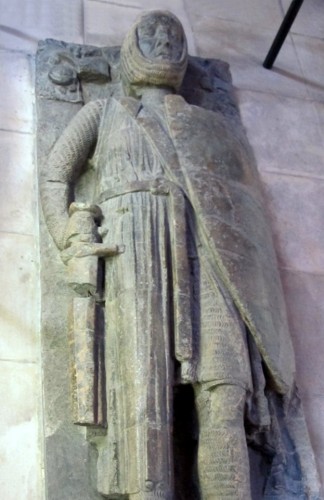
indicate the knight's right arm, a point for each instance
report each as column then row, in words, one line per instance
column 65, row 164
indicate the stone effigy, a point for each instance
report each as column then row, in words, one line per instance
column 178, row 334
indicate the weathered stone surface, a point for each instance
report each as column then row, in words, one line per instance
column 66, row 450
column 211, row 250
column 41, row 23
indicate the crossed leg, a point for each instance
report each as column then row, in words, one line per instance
column 223, row 466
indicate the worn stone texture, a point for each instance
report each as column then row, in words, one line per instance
column 292, row 131
column 69, row 470
column 229, row 41
column 66, row 452
column 244, row 232
column 22, row 24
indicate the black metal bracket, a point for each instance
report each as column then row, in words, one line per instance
column 282, row 33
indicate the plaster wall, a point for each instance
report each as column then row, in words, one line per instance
column 283, row 111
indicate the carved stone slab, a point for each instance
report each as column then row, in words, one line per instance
column 68, row 76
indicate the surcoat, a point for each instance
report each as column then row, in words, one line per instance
column 215, row 170
column 161, row 294
column 180, row 191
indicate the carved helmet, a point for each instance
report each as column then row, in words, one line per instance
column 137, row 69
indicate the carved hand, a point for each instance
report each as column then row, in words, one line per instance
column 85, row 249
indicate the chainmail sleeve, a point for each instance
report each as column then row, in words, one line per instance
column 65, row 164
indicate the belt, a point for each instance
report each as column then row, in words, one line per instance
column 155, row 186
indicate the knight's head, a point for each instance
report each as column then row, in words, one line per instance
column 154, row 52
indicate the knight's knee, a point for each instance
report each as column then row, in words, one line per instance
column 226, row 406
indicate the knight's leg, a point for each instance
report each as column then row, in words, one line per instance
column 223, row 466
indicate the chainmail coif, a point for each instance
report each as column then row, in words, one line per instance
column 139, row 70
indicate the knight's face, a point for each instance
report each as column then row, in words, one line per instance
column 160, row 38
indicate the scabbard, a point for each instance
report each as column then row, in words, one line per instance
column 82, row 274
column 86, row 344
column 181, row 276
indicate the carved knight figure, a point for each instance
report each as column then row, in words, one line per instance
column 191, row 293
